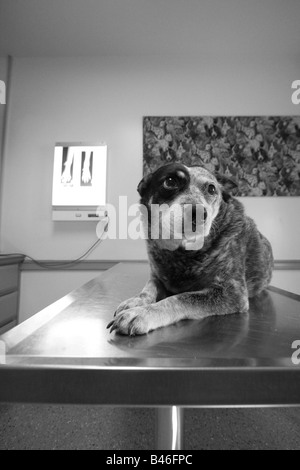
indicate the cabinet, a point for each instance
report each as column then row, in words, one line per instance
column 9, row 290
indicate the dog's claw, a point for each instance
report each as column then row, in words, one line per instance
column 110, row 324
column 114, row 327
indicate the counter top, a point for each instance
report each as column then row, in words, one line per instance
column 65, row 353
column 11, row 259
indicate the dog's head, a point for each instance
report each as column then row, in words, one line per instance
column 186, row 199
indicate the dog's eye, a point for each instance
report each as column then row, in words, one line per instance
column 170, row 183
column 211, row 189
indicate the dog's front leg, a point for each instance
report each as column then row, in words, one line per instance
column 147, row 296
column 218, row 300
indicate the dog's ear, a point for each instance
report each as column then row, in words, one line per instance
column 228, row 185
column 144, row 185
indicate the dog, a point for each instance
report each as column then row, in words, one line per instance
column 212, row 270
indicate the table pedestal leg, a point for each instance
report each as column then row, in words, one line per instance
column 169, row 428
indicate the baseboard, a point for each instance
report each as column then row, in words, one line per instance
column 287, row 265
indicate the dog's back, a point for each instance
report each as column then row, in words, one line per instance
column 259, row 260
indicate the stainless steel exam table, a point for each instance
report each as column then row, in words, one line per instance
column 65, row 354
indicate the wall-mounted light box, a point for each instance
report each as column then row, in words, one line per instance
column 79, row 181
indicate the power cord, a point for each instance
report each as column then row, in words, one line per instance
column 62, row 264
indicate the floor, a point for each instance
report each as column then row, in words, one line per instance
column 92, row 427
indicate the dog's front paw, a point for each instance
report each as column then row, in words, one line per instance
column 130, row 303
column 133, row 321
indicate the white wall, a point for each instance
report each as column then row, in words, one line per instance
column 287, row 280
column 3, row 77
column 92, row 99
column 95, row 99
